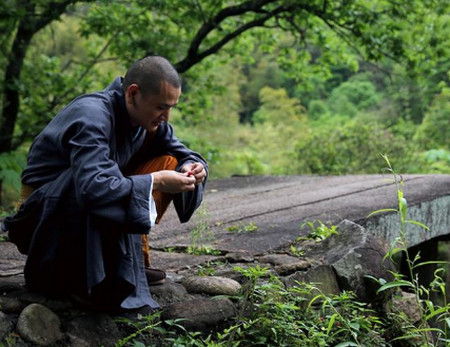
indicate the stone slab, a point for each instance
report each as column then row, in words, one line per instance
column 277, row 206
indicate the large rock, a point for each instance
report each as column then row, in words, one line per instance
column 354, row 254
column 201, row 314
column 322, row 277
column 212, row 285
column 39, row 325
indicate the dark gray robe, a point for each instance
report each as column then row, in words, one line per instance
column 81, row 226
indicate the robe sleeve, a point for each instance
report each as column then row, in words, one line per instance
column 165, row 142
column 99, row 183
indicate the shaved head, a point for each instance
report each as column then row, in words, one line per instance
column 149, row 72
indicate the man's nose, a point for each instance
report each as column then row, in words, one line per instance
column 166, row 114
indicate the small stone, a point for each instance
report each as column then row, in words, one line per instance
column 5, row 326
column 212, row 285
column 11, row 305
column 37, row 324
column 201, row 314
column 287, row 269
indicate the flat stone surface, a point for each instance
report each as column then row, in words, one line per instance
column 277, row 206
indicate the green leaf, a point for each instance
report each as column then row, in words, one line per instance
column 355, row 326
column 395, row 284
column 331, row 322
column 384, row 210
column 436, row 312
column 447, row 320
column 311, row 302
column 417, row 223
column 431, row 262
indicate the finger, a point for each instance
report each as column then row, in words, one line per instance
column 196, row 168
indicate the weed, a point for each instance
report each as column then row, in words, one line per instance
column 241, row 228
column 203, row 250
column 170, row 249
column 296, row 252
column 202, row 234
column 318, row 230
column 429, row 312
column 272, row 315
column 209, row 268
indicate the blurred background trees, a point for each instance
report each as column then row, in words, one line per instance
column 269, row 86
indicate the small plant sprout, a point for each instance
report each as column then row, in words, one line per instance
column 318, row 230
column 201, row 235
column 242, row 228
column 296, row 252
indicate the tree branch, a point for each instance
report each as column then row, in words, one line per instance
column 194, row 56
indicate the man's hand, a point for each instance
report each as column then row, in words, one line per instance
column 173, row 182
column 195, row 170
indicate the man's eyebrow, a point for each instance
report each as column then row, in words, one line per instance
column 168, row 105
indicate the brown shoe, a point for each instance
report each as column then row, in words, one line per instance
column 155, row 276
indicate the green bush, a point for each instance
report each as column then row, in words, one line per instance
column 356, row 95
column 434, row 132
column 353, row 148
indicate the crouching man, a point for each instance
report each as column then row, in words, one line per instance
column 98, row 177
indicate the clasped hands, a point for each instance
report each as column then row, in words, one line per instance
column 175, row 182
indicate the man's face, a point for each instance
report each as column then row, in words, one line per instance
column 150, row 110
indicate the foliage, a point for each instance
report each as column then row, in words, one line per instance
column 319, row 231
column 429, row 312
column 353, row 148
column 296, row 316
column 254, row 62
column 11, row 165
column 361, row 95
column 201, row 234
column 296, row 251
column 434, row 132
column 243, row 228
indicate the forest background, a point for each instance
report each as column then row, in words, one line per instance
column 277, row 87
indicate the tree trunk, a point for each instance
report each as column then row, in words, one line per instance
column 11, row 86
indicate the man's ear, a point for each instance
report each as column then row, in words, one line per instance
column 131, row 92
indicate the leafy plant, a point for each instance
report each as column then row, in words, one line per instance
column 296, row 252
column 144, row 324
column 201, row 234
column 209, row 268
column 429, row 312
column 242, row 228
column 276, row 316
column 318, row 230
column 203, row 250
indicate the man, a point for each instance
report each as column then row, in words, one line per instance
column 98, row 177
